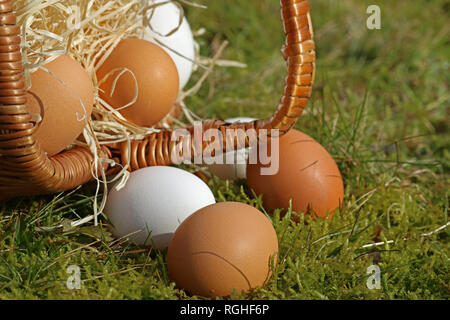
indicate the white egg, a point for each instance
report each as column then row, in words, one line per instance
column 179, row 45
column 236, row 170
column 240, row 119
column 155, row 201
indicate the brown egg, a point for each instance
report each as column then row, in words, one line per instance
column 156, row 76
column 56, row 97
column 307, row 174
column 224, row 246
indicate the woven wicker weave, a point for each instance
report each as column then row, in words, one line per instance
column 26, row 170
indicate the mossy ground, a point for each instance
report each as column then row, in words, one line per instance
column 380, row 106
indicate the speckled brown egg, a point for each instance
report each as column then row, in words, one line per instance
column 58, row 97
column 222, row 247
column 154, row 73
column 307, row 175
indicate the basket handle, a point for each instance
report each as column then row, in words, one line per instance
column 299, row 53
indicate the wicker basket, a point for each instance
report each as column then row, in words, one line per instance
column 26, row 170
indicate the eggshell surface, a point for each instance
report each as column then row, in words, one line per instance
column 64, row 98
column 307, row 174
column 155, row 75
column 236, row 170
column 224, row 246
column 179, row 45
column 154, row 201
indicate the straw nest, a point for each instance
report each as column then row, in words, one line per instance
column 88, row 31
